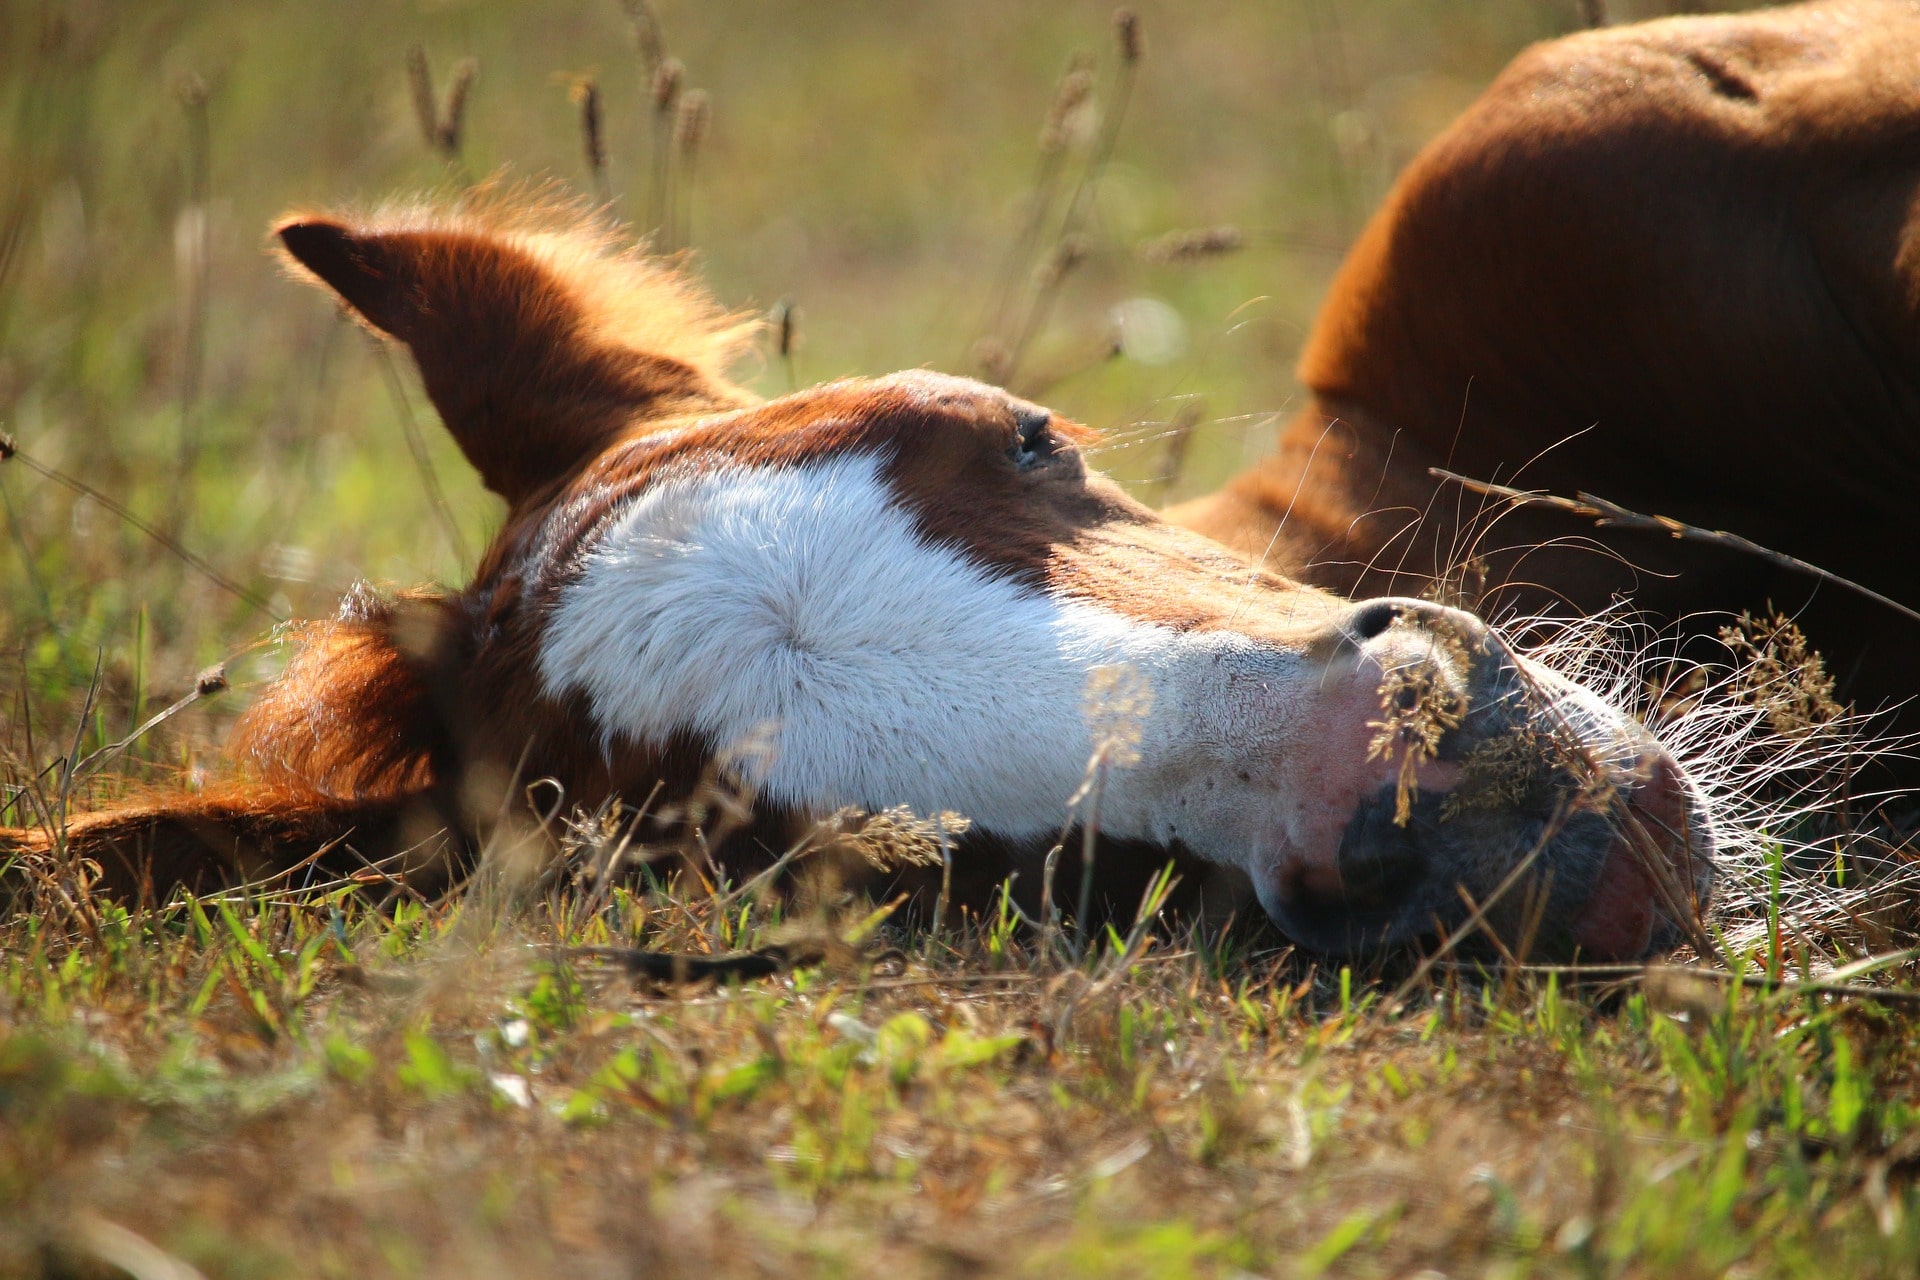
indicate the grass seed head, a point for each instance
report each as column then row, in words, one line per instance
column 647, row 34
column 586, row 95
column 668, row 78
column 1781, row 674
column 1126, row 34
column 895, row 838
column 426, row 108
column 1189, row 246
column 690, row 127
column 785, row 320
column 1417, row 711
column 452, row 125
column 1067, row 116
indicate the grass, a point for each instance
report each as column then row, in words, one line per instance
column 318, row 1088
column 270, row 1086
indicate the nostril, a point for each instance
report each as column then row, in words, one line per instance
column 1372, row 619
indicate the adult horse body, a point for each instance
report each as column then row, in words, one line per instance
column 903, row 589
column 1675, row 265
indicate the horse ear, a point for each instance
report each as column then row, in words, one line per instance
column 538, row 347
column 355, row 267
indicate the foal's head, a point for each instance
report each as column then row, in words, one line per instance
column 913, row 591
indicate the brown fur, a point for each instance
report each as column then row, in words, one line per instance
column 538, row 339
column 1676, row 265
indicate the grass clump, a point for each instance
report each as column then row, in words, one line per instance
column 316, row 1087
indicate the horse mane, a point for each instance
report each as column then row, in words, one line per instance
column 352, row 717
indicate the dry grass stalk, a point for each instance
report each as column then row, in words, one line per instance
column 1115, row 703
column 207, row 684
column 1126, row 34
column 451, row 131
column 11, row 451
column 1069, row 118
column 1173, row 460
column 669, row 77
column 426, row 104
column 193, row 260
column 585, row 93
column 1611, row 515
column 1069, row 241
column 689, row 131
column 784, row 322
column 417, row 449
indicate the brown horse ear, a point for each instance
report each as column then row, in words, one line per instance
column 538, row 344
column 357, row 268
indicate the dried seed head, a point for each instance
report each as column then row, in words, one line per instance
column 691, row 125
column 192, row 91
column 1068, row 254
column 897, row 837
column 784, row 320
column 646, row 32
column 425, row 109
column 1076, row 87
column 1418, row 709
column 1116, row 702
column 1781, row 675
column 667, row 79
column 991, row 357
column 211, row 681
column 1126, row 33
column 1202, row 242
column 54, row 33
column 452, row 125
column 1500, row 773
column 586, row 92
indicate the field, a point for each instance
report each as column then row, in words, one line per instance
column 331, row 1084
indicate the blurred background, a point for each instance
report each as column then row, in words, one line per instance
column 987, row 187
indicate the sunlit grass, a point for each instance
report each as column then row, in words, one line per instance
column 328, row 1085
column 236, row 1081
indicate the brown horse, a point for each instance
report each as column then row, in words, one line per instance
column 906, row 591
column 1675, row 265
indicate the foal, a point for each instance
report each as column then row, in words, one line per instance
column 904, row 589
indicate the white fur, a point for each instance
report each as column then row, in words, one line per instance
column 800, row 605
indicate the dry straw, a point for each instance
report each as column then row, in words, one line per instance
column 1611, row 515
column 1074, row 114
column 669, row 78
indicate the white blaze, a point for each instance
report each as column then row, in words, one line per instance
column 800, row 604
